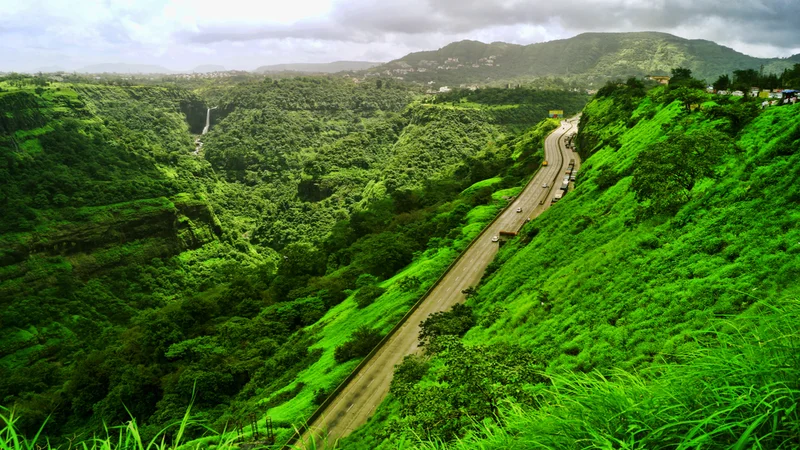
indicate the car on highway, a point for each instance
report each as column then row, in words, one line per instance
column 495, row 239
column 519, row 210
column 544, row 185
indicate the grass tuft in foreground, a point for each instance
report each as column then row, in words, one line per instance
column 122, row 437
column 741, row 393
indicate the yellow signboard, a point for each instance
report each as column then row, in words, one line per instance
column 556, row 113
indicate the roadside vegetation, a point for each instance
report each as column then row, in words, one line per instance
column 645, row 310
column 655, row 306
column 138, row 277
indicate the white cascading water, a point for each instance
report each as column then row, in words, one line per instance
column 208, row 121
column 198, row 145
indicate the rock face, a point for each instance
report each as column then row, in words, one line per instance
column 21, row 111
column 159, row 227
column 195, row 112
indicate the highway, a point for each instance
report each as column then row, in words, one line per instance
column 357, row 401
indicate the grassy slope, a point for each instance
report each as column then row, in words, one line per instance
column 107, row 283
column 623, row 295
column 623, row 292
column 588, row 288
column 339, row 323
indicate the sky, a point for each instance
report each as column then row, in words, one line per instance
column 240, row 34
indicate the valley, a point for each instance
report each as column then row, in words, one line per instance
column 351, row 261
column 355, row 403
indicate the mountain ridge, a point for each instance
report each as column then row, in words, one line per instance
column 331, row 67
column 586, row 57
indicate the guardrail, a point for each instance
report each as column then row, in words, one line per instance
column 340, row 387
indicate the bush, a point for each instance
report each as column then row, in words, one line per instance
column 362, row 341
column 367, row 295
column 455, row 322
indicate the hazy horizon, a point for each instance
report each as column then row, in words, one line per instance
column 180, row 35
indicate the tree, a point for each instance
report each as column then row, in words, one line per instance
column 667, row 171
column 722, row 83
column 680, row 74
column 300, row 259
column 368, row 294
column 790, row 78
column 682, row 77
column 383, row 254
column 478, row 379
column 743, row 80
column 361, row 342
column 455, row 322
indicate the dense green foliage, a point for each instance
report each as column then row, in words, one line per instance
column 624, row 278
column 648, row 308
column 742, row 393
column 582, row 60
column 139, row 272
column 745, row 79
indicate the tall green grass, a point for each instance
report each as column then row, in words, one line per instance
column 741, row 392
column 122, row 437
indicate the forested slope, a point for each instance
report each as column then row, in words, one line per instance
column 137, row 275
column 652, row 307
column 588, row 58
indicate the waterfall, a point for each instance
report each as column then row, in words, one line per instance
column 208, row 121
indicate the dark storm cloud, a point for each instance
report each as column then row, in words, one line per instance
column 770, row 22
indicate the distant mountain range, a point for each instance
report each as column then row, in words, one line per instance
column 124, row 68
column 333, row 67
column 588, row 57
column 207, row 68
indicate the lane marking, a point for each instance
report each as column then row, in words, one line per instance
column 510, row 216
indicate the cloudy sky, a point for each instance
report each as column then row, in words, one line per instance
column 242, row 34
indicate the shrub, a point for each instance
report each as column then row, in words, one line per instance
column 367, row 295
column 361, row 342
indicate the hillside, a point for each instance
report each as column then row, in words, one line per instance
column 332, row 67
column 652, row 306
column 138, row 275
column 586, row 58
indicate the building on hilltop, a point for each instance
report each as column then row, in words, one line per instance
column 663, row 79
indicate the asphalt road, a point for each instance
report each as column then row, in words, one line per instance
column 356, row 403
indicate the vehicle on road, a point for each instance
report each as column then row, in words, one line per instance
column 519, row 210
column 544, row 163
column 495, row 238
column 544, row 185
column 528, row 219
column 508, row 233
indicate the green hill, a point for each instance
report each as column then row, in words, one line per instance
column 649, row 308
column 586, row 58
column 139, row 273
column 655, row 306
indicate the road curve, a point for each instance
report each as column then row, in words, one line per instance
column 357, row 401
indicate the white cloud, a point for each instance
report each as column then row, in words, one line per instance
column 245, row 34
